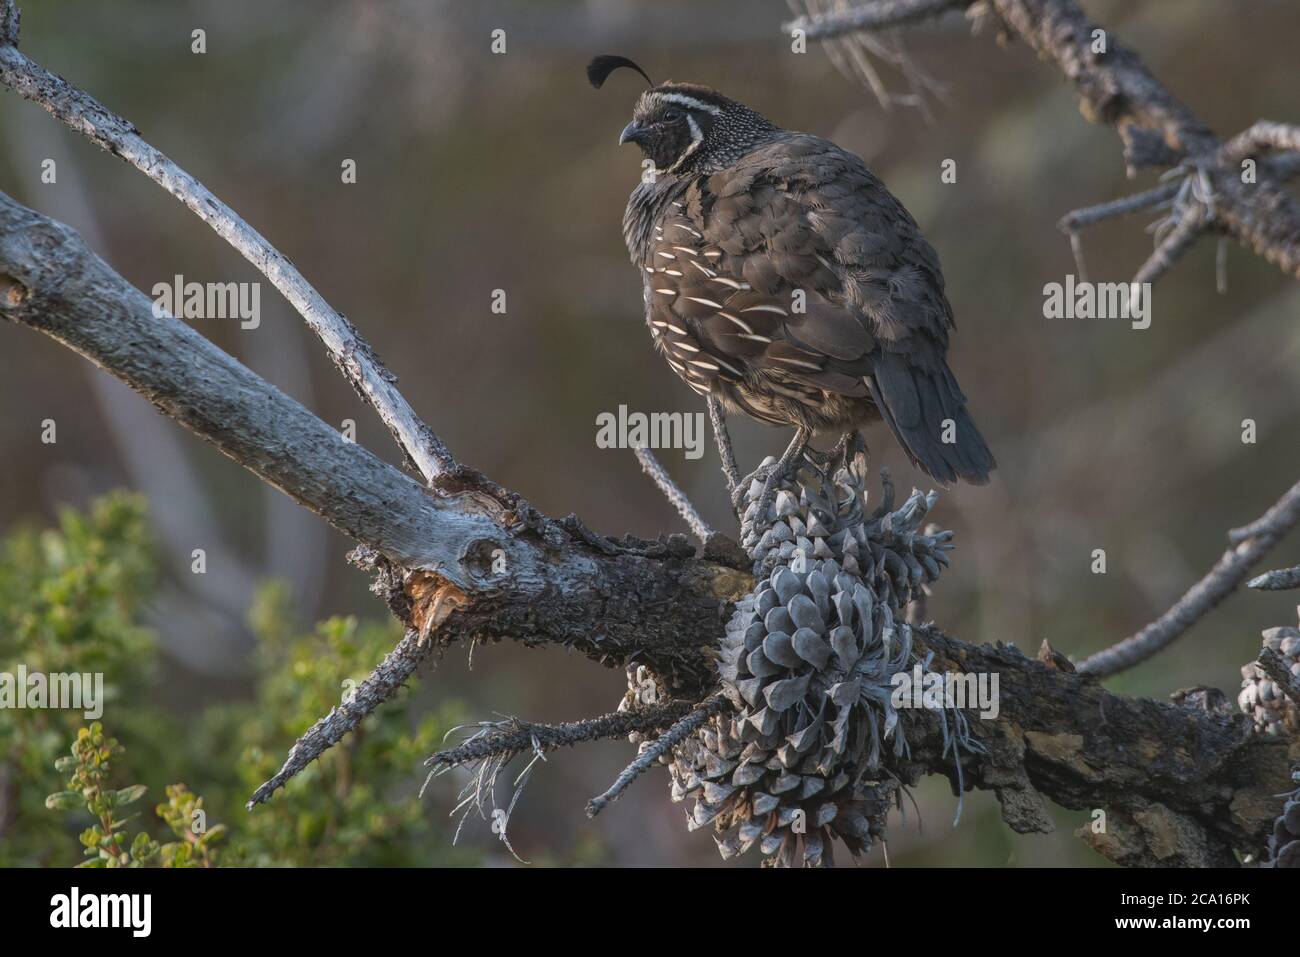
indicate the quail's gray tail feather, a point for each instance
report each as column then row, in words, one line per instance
column 915, row 402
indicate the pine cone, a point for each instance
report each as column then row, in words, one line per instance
column 1261, row 698
column 1284, row 846
column 825, row 518
column 807, row 661
column 643, row 691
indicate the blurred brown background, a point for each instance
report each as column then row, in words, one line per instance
column 479, row 171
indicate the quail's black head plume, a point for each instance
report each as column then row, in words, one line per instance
column 782, row 277
column 599, row 69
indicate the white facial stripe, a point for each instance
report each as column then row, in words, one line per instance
column 688, row 101
column 697, row 137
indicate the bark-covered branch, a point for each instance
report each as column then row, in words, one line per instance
column 349, row 351
column 870, row 16
column 1178, row 786
column 1058, row 735
column 1114, row 87
column 505, row 739
column 559, row 585
column 1243, row 554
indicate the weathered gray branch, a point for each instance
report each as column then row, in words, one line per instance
column 1078, row 219
column 512, row 737
column 609, row 603
column 676, row 497
column 1276, row 668
column 657, row 749
column 1180, row 785
column 1263, row 137
column 382, row 684
column 1277, row 580
column 871, row 16
column 656, row 601
column 1157, row 130
column 1221, row 581
column 350, row 352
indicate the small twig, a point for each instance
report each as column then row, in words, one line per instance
column 1078, row 219
column 871, row 16
column 1283, row 168
column 351, row 354
column 1076, row 250
column 854, row 54
column 1264, row 136
column 707, row 708
column 513, row 737
column 723, row 439
column 1229, row 572
column 650, row 465
column 1180, row 238
column 1279, row 580
column 398, row 665
column 490, row 749
column 9, row 23
column 1276, row 668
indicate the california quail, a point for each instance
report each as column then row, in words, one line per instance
column 783, row 278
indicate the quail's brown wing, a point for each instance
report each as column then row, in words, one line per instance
column 802, row 218
column 732, row 325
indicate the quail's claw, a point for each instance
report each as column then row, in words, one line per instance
column 768, row 495
column 742, row 488
column 771, row 473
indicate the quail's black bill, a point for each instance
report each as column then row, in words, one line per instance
column 630, row 133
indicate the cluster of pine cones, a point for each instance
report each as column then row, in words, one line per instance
column 1284, row 846
column 1261, row 698
column 807, row 662
column 1275, row 713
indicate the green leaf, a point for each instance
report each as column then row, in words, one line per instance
column 64, row 801
column 127, row 795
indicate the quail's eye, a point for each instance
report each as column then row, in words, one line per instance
column 671, row 116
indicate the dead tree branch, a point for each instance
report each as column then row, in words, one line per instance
column 655, row 601
column 1078, row 219
column 513, row 737
column 1276, row 668
column 1263, row 137
column 350, row 352
column 870, row 16
column 676, row 497
column 657, row 749
column 1278, row 580
column 1114, row 87
column 1223, row 579
column 1181, row 786
column 610, row 602
column 382, row 684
